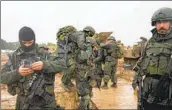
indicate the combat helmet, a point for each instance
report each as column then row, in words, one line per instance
column 89, row 29
column 164, row 13
column 64, row 31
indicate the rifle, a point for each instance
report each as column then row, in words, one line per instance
column 140, row 96
column 62, row 53
column 140, row 82
column 66, row 50
column 36, row 95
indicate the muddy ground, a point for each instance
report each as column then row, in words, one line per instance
column 121, row 97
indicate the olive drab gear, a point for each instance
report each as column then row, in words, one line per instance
column 157, row 57
column 89, row 29
column 153, row 64
column 21, row 85
column 65, row 31
column 93, row 41
column 109, row 49
column 119, row 52
column 162, row 14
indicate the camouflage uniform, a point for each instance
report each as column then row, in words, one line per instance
column 154, row 62
column 82, row 71
column 98, row 60
column 110, row 62
column 65, row 33
column 76, row 61
column 20, row 85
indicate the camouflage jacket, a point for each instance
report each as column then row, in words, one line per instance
column 18, row 84
column 109, row 51
column 156, row 54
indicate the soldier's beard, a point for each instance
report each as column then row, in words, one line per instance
column 163, row 31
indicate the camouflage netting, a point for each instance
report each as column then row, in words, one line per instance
column 64, row 31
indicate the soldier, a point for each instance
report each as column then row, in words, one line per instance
column 154, row 62
column 29, row 75
column 72, row 46
column 110, row 62
column 67, row 47
column 83, row 72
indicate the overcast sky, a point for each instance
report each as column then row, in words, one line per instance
column 127, row 19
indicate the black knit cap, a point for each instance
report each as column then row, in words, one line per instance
column 26, row 34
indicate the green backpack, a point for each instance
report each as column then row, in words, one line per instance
column 119, row 52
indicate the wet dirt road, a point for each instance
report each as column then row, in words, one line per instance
column 121, row 97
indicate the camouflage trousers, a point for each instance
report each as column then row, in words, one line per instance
column 67, row 75
column 84, row 88
column 98, row 73
column 110, row 72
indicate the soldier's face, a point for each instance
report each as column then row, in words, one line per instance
column 27, row 43
column 163, row 27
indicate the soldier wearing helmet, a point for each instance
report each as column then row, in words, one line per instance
column 75, row 50
column 70, row 41
column 89, row 31
column 155, row 92
column 83, row 64
column 109, row 49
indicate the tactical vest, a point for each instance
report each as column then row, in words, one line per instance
column 22, row 86
column 84, row 56
column 157, row 56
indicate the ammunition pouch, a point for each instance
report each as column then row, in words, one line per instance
column 82, row 57
column 157, row 58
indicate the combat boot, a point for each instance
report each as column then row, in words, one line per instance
column 105, row 86
column 114, row 85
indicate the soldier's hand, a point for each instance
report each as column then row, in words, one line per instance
column 25, row 71
column 37, row 65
